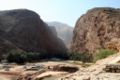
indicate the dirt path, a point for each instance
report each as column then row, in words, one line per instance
column 3, row 78
column 6, row 77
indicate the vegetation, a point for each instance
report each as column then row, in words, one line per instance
column 21, row 57
column 103, row 53
column 84, row 57
column 16, row 56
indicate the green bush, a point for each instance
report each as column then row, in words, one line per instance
column 31, row 56
column 84, row 57
column 103, row 53
column 16, row 56
column 20, row 57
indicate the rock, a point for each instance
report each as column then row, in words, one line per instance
column 114, row 44
column 24, row 29
column 66, row 68
column 64, row 31
column 94, row 29
column 30, row 75
column 114, row 68
column 53, row 30
column 5, row 47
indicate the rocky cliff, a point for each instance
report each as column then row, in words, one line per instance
column 95, row 28
column 64, row 31
column 24, row 29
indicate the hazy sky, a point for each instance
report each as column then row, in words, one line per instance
column 66, row 11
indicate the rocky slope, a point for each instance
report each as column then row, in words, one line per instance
column 113, row 44
column 64, row 31
column 96, row 71
column 95, row 28
column 5, row 47
column 24, row 29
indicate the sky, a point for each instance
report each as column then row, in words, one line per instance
column 65, row 11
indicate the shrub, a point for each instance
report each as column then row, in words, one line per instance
column 16, row 56
column 103, row 53
column 84, row 57
column 63, row 56
column 31, row 56
column 21, row 57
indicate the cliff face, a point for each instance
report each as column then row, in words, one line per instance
column 95, row 28
column 24, row 29
column 64, row 32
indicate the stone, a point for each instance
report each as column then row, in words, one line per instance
column 114, row 68
column 5, row 47
column 114, row 44
column 64, row 32
column 94, row 29
column 24, row 29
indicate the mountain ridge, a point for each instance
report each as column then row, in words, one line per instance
column 64, row 31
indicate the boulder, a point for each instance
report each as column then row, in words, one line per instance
column 66, row 68
column 94, row 29
column 114, row 68
column 24, row 29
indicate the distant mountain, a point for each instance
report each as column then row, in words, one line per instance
column 64, row 31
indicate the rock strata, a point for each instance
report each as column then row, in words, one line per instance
column 94, row 29
column 24, row 29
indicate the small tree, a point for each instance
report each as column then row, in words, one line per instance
column 85, row 57
column 103, row 53
column 16, row 56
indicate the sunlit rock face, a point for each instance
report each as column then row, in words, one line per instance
column 24, row 29
column 113, row 44
column 95, row 28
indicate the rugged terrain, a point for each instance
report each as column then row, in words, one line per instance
column 24, row 30
column 97, row 29
column 40, row 70
column 96, row 71
column 64, row 32
column 53, row 70
column 94, row 29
